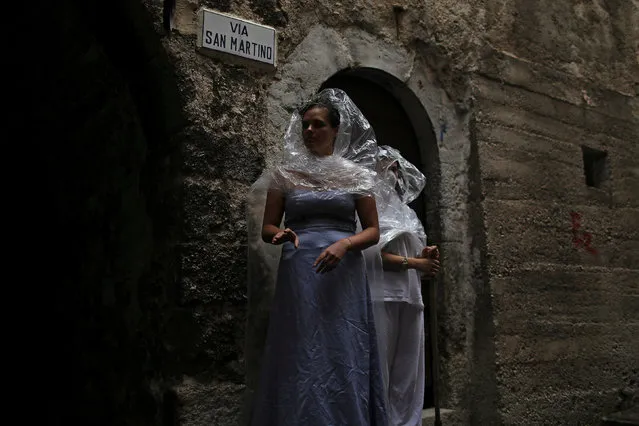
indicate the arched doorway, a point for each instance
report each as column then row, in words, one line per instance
column 400, row 121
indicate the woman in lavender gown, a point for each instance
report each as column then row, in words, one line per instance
column 321, row 363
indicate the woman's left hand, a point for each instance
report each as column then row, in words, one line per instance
column 330, row 258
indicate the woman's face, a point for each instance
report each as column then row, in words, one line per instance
column 394, row 168
column 319, row 135
column 396, row 178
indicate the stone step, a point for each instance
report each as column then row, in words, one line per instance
column 629, row 417
column 428, row 416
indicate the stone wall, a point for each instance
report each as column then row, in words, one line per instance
column 97, row 114
column 557, row 78
column 517, row 88
column 145, row 151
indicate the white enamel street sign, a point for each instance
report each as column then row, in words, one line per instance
column 219, row 32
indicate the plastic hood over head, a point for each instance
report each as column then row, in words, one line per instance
column 392, row 167
column 351, row 167
column 401, row 183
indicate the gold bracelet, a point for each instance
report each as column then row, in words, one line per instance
column 349, row 242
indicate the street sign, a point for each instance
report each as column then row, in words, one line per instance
column 219, row 32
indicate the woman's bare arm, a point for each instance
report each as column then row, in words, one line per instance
column 369, row 236
column 394, row 262
column 273, row 213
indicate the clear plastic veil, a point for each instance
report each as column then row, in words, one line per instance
column 350, row 170
column 397, row 189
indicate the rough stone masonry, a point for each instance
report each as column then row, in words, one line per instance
column 535, row 329
column 531, row 147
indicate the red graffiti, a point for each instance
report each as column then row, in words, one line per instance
column 581, row 238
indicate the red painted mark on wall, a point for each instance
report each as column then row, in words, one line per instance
column 581, row 238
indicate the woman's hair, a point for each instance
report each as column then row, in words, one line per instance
column 333, row 113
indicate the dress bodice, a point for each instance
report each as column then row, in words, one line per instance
column 314, row 208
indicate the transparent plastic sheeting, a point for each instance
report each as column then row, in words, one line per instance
column 401, row 183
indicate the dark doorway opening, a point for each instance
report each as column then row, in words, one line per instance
column 392, row 110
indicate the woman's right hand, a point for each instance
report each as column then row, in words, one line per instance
column 284, row 236
column 429, row 267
